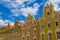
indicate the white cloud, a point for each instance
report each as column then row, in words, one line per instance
column 22, row 21
column 1, row 22
column 36, row 5
column 20, row 1
column 14, row 3
column 12, row 23
column 5, row 22
column 59, row 9
column 30, row 10
column 15, row 12
column 55, row 3
column 19, row 7
column 25, row 11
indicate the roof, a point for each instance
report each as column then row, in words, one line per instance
column 21, row 25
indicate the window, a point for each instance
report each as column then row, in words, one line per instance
column 22, row 31
column 34, row 38
column 28, row 30
column 30, row 21
column 56, row 23
column 58, row 35
column 49, row 25
column 42, row 37
column 23, row 38
column 50, row 36
column 34, row 31
column 42, row 27
column 48, row 13
column 28, row 38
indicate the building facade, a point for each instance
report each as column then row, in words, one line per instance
column 45, row 28
column 49, row 24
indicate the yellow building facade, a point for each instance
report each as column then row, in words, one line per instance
column 49, row 24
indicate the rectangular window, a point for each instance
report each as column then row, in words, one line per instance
column 23, row 31
column 28, row 30
column 50, row 36
column 56, row 23
column 42, row 37
column 34, row 31
column 58, row 35
column 49, row 25
column 34, row 38
column 28, row 38
column 23, row 38
column 42, row 27
column 47, row 13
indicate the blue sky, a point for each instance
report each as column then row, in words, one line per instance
column 12, row 9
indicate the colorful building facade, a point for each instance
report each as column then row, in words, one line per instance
column 45, row 28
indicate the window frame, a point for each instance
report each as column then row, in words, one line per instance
column 34, row 29
column 41, row 26
column 27, row 37
column 22, row 38
column 58, row 35
column 57, row 23
column 28, row 30
column 49, row 38
column 49, row 26
column 34, row 37
column 42, row 37
column 48, row 13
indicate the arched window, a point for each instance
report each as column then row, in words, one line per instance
column 42, row 37
column 50, row 36
column 48, row 13
column 58, row 35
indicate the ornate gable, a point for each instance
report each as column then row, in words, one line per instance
column 30, row 19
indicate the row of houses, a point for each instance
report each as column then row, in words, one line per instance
column 47, row 27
